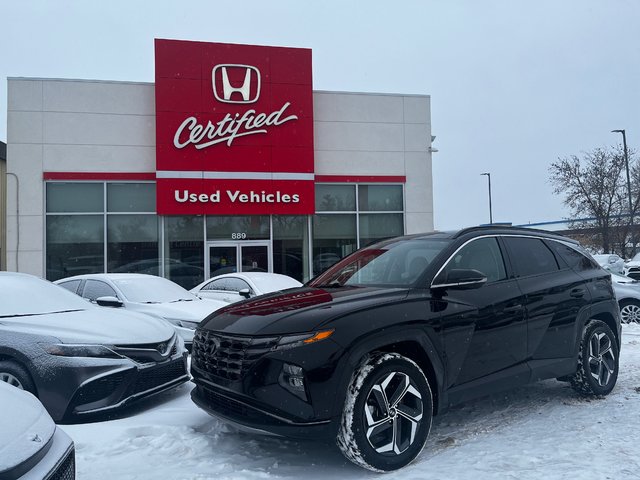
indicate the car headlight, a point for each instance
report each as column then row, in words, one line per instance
column 68, row 350
column 187, row 324
column 292, row 341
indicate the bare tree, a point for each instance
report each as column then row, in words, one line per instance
column 594, row 188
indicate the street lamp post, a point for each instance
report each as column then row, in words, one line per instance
column 490, row 210
column 626, row 165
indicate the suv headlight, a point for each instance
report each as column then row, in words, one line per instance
column 292, row 341
column 68, row 350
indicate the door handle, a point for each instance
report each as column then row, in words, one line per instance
column 513, row 309
column 577, row 293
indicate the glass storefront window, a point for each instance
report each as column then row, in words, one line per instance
column 291, row 246
column 75, row 245
column 334, row 237
column 131, row 197
column 334, row 198
column 132, row 244
column 380, row 198
column 377, row 226
column 248, row 227
column 184, row 250
column 75, row 197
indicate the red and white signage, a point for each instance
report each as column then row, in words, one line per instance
column 234, row 129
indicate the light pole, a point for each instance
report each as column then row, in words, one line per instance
column 490, row 211
column 626, row 165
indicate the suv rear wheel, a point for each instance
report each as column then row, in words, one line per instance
column 387, row 414
column 597, row 361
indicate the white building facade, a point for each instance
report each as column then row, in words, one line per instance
column 85, row 195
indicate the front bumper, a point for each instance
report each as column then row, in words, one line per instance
column 253, row 419
column 75, row 387
column 242, row 382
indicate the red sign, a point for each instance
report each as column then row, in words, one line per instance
column 234, row 129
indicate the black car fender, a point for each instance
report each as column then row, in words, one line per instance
column 387, row 340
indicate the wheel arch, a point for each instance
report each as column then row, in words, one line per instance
column 609, row 319
column 21, row 361
column 412, row 343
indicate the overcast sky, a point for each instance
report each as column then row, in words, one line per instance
column 514, row 85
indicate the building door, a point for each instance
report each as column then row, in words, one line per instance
column 245, row 256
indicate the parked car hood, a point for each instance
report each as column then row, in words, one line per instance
column 193, row 310
column 96, row 325
column 26, row 427
column 298, row 310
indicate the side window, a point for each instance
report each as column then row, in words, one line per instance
column 237, row 284
column 530, row 256
column 94, row 289
column 216, row 285
column 483, row 255
column 71, row 285
column 575, row 259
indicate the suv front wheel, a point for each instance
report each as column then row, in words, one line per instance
column 597, row 361
column 387, row 413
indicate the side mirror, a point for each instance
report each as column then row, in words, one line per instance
column 109, row 302
column 461, row 279
column 245, row 292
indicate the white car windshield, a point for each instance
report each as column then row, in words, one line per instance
column 150, row 289
column 23, row 295
column 271, row 283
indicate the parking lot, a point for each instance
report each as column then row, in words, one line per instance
column 540, row 431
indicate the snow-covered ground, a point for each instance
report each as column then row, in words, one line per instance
column 542, row 431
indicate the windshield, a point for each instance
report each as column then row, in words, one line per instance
column 150, row 289
column 397, row 264
column 27, row 295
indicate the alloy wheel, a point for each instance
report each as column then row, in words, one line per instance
column 630, row 313
column 602, row 360
column 11, row 380
column 393, row 412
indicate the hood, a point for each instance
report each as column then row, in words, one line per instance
column 192, row 311
column 26, row 427
column 98, row 325
column 299, row 310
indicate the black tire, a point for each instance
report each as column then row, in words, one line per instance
column 15, row 374
column 597, row 360
column 630, row 311
column 368, row 421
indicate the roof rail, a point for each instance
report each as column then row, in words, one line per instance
column 506, row 228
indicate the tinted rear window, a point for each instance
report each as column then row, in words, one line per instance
column 530, row 256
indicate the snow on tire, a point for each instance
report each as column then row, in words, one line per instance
column 597, row 360
column 387, row 413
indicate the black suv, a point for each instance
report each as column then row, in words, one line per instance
column 368, row 351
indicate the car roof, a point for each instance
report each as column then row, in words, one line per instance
column 106, row 276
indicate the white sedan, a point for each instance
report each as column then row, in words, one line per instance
column 155, row 296
column 233, row 287
column 627, row 292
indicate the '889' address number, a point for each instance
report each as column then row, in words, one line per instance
column 239, row 236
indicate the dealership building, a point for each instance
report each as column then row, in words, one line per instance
column 229, row 161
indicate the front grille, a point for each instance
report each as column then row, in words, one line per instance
column 228, row 356
column 66, row 470
column 99, row 389
column 159, row 376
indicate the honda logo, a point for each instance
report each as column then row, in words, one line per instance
column 242, row 87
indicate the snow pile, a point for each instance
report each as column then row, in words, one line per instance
column 539, row 431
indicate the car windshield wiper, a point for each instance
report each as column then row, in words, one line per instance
column 41, row 313
column 182, row 300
